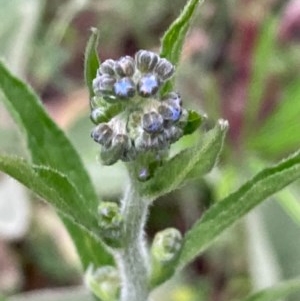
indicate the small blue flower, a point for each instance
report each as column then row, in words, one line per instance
column 148, row 85
column 146, row 60
column 124, row 88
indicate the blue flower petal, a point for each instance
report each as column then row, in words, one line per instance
column 124, row 88
column 148, row 85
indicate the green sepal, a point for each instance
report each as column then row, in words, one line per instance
column 194, row 121
column 91, row 60
column 108, row 110
column 109, row 156
column 115, row 109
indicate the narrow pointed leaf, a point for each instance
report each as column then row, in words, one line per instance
column 191, row 163
column 89, row 248
column 227, row 211
column 66, row 199
column 277, row 292
column 47, row 143
column 50, row 147
column 41, row 180
column 173, row 39
column 91, row 60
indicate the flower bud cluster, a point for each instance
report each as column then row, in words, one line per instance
column 139, row 120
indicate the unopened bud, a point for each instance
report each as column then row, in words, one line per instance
column 111, row 224
column 97, row 115
column 103, row 282
column 152, row 122
column 107, row 67
column 102, row 134
column 173, row 133
column 103, row 84
column 166, row 245
column 165, row 251
column 169, row 112
column 146, row 60
column 164, row 69
column 125, row 66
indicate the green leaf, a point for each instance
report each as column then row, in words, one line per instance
column 227, row 211
column 65, row 198
column 277, row 135
column 88, row 246
column 191, row 163
column 173, row 39
column 277, row 292
column 41, row 180
column 72, row 293
column 264, row 58
column 48, row 145
column 193, row 122
column 91, row 60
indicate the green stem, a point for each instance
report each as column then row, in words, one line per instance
column 133, row 259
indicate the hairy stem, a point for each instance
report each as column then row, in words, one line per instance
column 133, row 258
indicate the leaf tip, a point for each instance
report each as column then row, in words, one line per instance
column 94, row 30
column 223, row 124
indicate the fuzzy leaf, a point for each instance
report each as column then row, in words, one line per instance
column 277, row 292
column 91, row 60
column 48, row 145
column 227, row 211
column 89, row 248
column 191, row 163
column 173, row 39
column 65, row 198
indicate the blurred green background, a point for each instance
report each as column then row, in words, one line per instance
column 241, row 62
